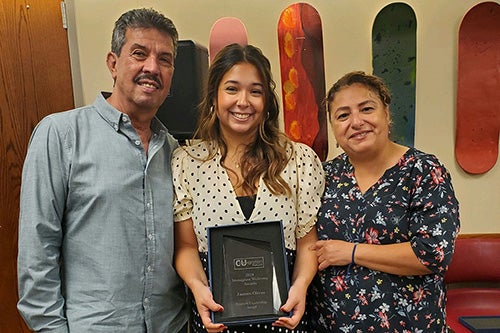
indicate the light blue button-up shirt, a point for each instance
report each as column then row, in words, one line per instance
column 96, row 227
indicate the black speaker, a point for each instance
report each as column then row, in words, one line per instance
column 179, row 111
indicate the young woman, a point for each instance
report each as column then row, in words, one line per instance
column 244, row 170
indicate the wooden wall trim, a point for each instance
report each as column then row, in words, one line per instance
column 482, row 235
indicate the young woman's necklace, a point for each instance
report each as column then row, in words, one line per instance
column 236, row 161
column 236, row 158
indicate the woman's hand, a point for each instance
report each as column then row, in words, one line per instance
column 186, row 251
column 333, row 253
column 303, row 273
column 397, row 258
column 296, row 305
column 205, row 303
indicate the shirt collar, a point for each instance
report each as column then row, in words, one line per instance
column 115, row 118
column 111, row 115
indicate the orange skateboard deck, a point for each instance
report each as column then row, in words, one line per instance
column 478, row 89
column 300, row 41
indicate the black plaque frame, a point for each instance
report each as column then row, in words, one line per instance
column 248, row 272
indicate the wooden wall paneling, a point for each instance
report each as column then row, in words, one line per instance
column 35, row 80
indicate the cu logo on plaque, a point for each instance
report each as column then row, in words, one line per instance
column 248, row 263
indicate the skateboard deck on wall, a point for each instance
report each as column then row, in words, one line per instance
column 394, row 40
column 225, row 31
column 478, row 89
column 300, row 41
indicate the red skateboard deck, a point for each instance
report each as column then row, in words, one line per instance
column 300, row 41
column 478, row 89
column 225, row 31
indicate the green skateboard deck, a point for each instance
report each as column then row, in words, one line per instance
column 394, row 40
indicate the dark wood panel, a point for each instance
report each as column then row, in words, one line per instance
column 35, row 80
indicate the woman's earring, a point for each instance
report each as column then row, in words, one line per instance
column 337, row 145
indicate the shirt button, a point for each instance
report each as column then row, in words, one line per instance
column 146, row 300
column 137, row 142
column 150, row 236
column 148, row 205
column 125, row 118
column 149, row 268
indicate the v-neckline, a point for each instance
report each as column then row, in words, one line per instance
column 235, row 196
column 371, row 187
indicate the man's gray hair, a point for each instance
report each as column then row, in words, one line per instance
column 141, row 18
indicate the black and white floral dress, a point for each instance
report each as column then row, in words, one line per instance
column 413, row 201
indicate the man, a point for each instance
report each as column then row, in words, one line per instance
column 95, row 229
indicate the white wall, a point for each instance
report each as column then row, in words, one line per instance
column 347, row 44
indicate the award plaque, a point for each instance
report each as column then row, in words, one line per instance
column 248, row 272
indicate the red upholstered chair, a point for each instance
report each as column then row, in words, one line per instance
column 473, row 279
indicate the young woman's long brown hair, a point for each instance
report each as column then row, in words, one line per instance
column 267, row 155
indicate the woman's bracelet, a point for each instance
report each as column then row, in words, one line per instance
column 348, row 271
column 353, row 251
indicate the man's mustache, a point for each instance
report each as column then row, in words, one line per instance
column 150, row 77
